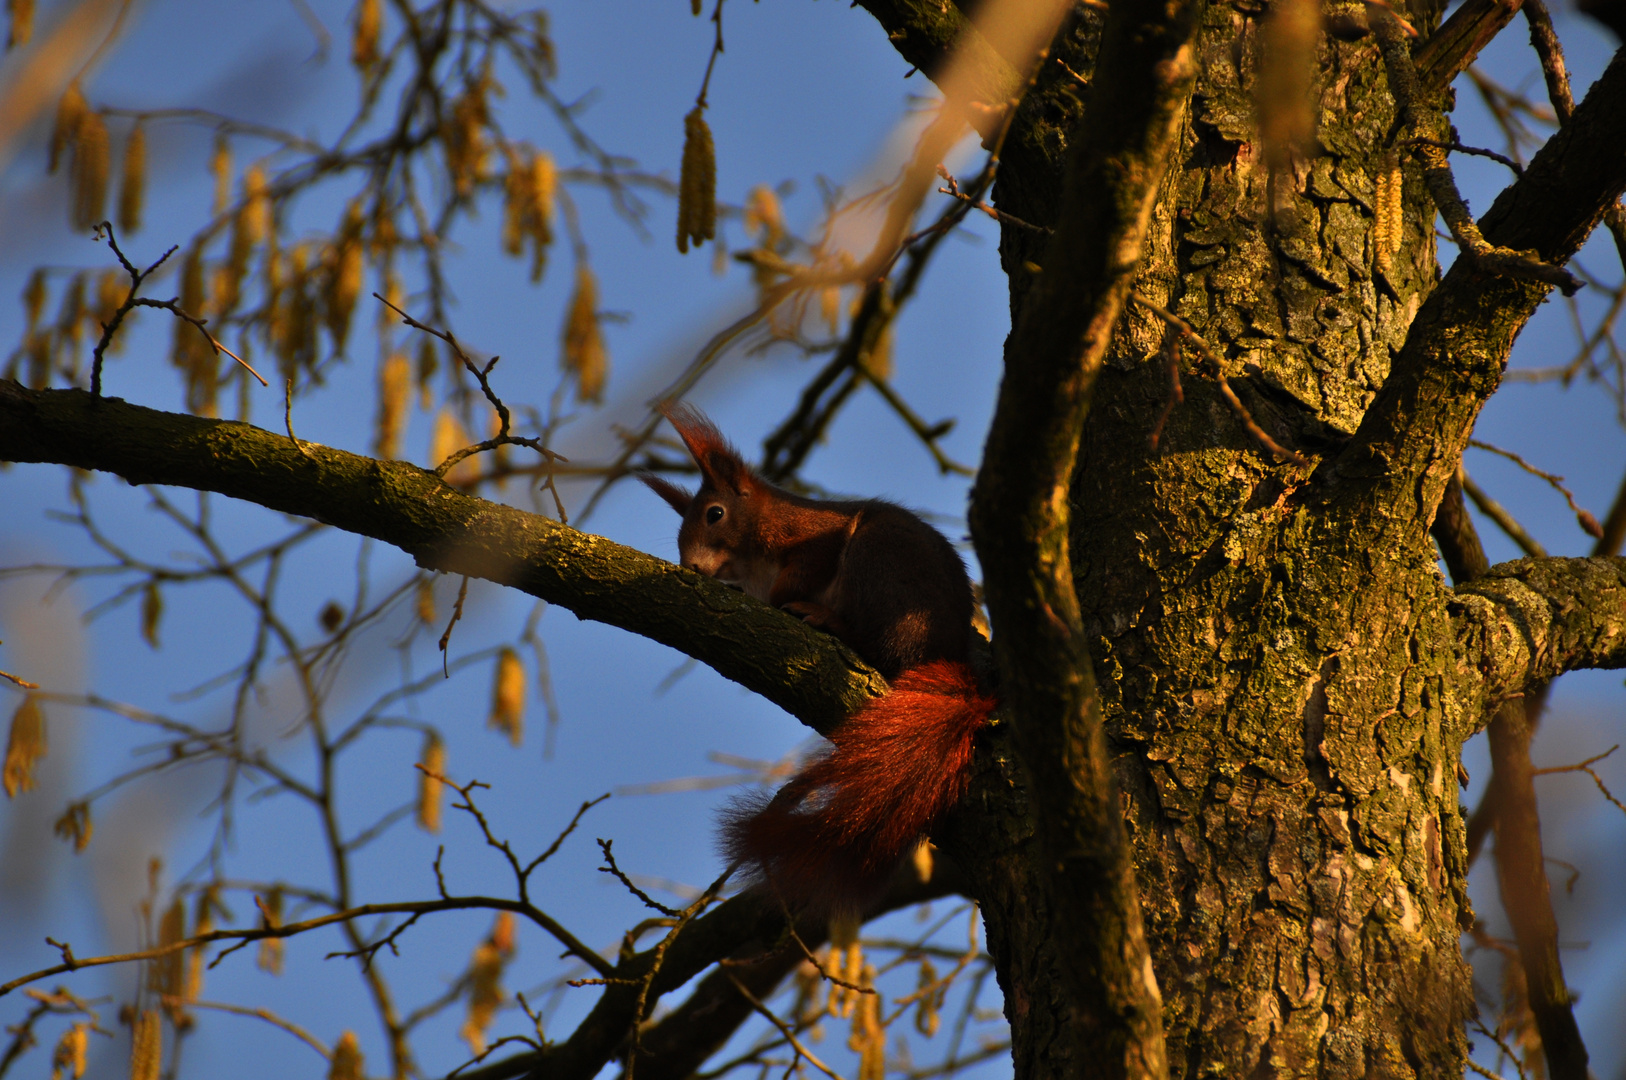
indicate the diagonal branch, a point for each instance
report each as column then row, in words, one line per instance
column 1410, row 441
column 1019, row 521
column 805, row 672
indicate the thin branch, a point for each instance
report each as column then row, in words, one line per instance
column 784, row 1028
column 1589, row 524
column 269, row 1017
column 1504, row 520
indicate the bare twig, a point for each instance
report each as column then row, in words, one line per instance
column 1457, row 147
column 1588, row 523
column 1000, row 216
column 784, row 1028
column 269, row 1017
column 1504, row 520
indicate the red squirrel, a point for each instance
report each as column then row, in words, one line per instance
column 892, row 587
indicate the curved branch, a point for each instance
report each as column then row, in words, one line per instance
column 1020, row 519
column 807, row 673
column 1410, row 440
column 1526, row 622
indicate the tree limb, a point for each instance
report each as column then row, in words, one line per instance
column 807, row 673
column 1527, row 621
column 1409, row 442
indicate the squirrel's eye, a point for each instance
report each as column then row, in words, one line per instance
column 714, row 514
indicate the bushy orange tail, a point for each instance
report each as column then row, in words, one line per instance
column 831, row 837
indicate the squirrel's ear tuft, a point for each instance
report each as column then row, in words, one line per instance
column 678, row 498
column 720, row 463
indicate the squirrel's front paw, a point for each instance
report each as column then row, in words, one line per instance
column 815, row 615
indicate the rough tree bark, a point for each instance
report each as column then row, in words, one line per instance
column 1236, row 689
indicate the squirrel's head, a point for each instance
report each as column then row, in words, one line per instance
column 719, row 521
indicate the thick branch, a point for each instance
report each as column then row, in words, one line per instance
column 1528, row 621
column 1019, row 520
column 807, row 673
column 1410, row 440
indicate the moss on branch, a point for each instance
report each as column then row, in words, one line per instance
column 807, row 673
column 1527, row 621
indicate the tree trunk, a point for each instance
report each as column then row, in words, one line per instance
column 1284, row 700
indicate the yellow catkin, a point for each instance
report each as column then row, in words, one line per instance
column 203, row 921
column 924, row 861
column 508, row 696
column 364, row 45
column 292, row 323
column 92, row 164
column 249, row 227
column 394, row 398
column 830, row 306
column 166, row 975
column 220, row 169
column 34, row 294
column 584, row 354
column 448, row 437
column 428, row 364
column 464, row 139
column 809, row 995
column 343, row 287
column 503, row 933
column 20, row 33
column 75, row 825
column 39, row 359
column 697, row 182
column 70, row 113
column 395, row 295
column 271, row 950
column 70, row 316
column 146, row 1046
column 433, row 760
column 929, row 1000
column 112, row 287
column 347, row 1060
column 152, row 612
column 485, row 986
column 764, row 215
column 69, row 1058
column 544, row 189
column 868, row 1038
column 426, row 601
column 186, row 338
column 133, row 180
column 1283, row 90
column 1388, row 209
column 513, row 204
column 24, row 747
